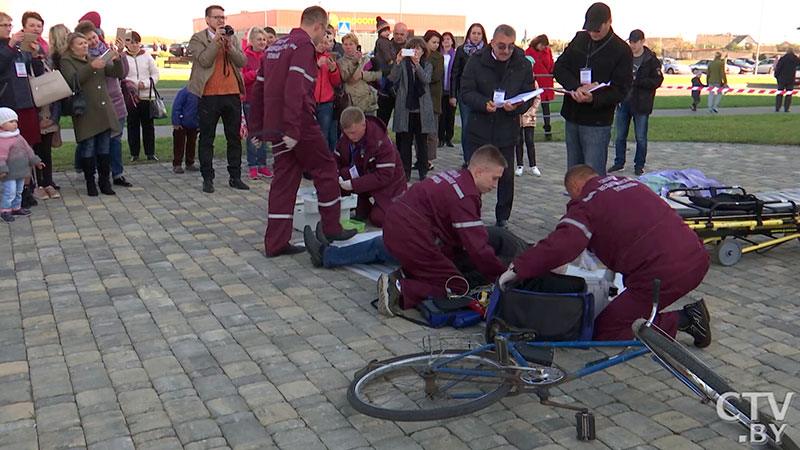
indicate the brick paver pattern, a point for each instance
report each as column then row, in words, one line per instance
column 152, row 320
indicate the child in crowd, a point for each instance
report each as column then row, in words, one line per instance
column 696, row 93
column 185, row 124
column 16, row 159
column 527, row 125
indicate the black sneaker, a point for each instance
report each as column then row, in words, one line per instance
column 638, row 171
column 237, row 183
column 121, row 181
column 134, row 158
column 21, row 212
column 208, row 186
column 699, row 323
column 290, row 250
column 501, row 223
column 152, row 158
column 343, row 236
column 616, row 168
column 314, row 247
column 7, row 216
column 388, row 294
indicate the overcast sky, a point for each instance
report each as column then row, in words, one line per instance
column 558, row 19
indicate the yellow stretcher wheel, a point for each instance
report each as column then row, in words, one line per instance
column 728, row 253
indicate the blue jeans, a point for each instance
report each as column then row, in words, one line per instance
column 12, row 195
column 96, row 145
column 623, row 124
column 368, row 252
column 464, row 111
column 587, row 145
column 256, row 156
column 115, row 152
column 327, row 124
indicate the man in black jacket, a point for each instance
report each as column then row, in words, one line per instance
column 594, row 56
column 785, row 73
column 500, row 66
column 638, row 105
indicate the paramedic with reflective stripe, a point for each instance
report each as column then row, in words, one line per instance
column 633, row 232
column 438, row 221
column 282, row 112
column 369, row 164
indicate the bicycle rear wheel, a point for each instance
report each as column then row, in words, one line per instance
column 425, row 386
column 706, row 380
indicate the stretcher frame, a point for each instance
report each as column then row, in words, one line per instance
column 731, row 230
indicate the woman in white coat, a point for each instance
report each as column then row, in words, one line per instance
column 143, row 73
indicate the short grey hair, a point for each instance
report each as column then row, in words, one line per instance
column 506, row 30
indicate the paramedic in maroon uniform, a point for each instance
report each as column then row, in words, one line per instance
column 282, row 112
column 437, row 221
column 633, row 232
column 369, row 165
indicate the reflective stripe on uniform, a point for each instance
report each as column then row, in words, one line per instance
column 303, row 72
column 330, row 203
column 476, row 223
column 279, row 153
column 580, row 226
column 384, row 165
column 259, row 78
column 279, row 216
column 458, row 190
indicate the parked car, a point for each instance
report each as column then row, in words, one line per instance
column 177, row 49
column 671, row 66
column 767, row 66
column 702, row 66
column 742, row 64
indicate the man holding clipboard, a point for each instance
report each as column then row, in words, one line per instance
column 595, row 56
column 493, row 74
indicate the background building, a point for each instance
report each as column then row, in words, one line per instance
column 361, row 23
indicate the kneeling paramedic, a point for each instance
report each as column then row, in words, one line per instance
column 633, row 232
column 369, row 165
column 433, row 224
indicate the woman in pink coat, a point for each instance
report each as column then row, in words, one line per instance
column 258, row 40
column 543, row 75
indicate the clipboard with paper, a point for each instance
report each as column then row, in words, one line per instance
column 599, row 86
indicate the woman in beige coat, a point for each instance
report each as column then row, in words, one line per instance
column 355, row 78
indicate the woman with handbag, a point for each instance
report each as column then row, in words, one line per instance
column 95, row 124
column 49, row 117
column 355, row 79
column 144, row 73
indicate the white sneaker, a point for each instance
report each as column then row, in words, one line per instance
column 535, row 171
column 518, row 172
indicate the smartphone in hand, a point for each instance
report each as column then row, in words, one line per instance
column 407, row 52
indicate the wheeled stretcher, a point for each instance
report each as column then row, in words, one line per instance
column 731, row 226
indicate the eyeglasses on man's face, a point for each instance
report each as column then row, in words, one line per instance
column 504, row 47
column 217, row 17
column 5, row 25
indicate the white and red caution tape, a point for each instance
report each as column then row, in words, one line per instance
column 733, row 91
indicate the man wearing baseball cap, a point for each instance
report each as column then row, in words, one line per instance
column 596, row 55
column 638, row 105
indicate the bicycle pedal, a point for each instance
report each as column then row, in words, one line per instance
column 584, row 424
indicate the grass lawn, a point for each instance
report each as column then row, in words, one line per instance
column 683, row 101
column 66, row 121
column 766, row 129
column 171, row 83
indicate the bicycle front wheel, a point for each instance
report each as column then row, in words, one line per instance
column 428, row 386
column 705, row 380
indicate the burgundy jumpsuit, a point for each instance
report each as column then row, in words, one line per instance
column 633, row 232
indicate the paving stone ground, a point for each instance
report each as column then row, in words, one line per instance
column 152, row 320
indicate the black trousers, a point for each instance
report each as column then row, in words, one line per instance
column 505, row 186
column 385, row 108
column 210, row 109
column 787, row 102
column 44, row 176
column 447, row 121
column 546, row 113
column 526, row 138
column 140, row 117
column 404, row 141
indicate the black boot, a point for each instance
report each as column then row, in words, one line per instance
column 28, row 199
column 87, row 164
column 104, row 174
